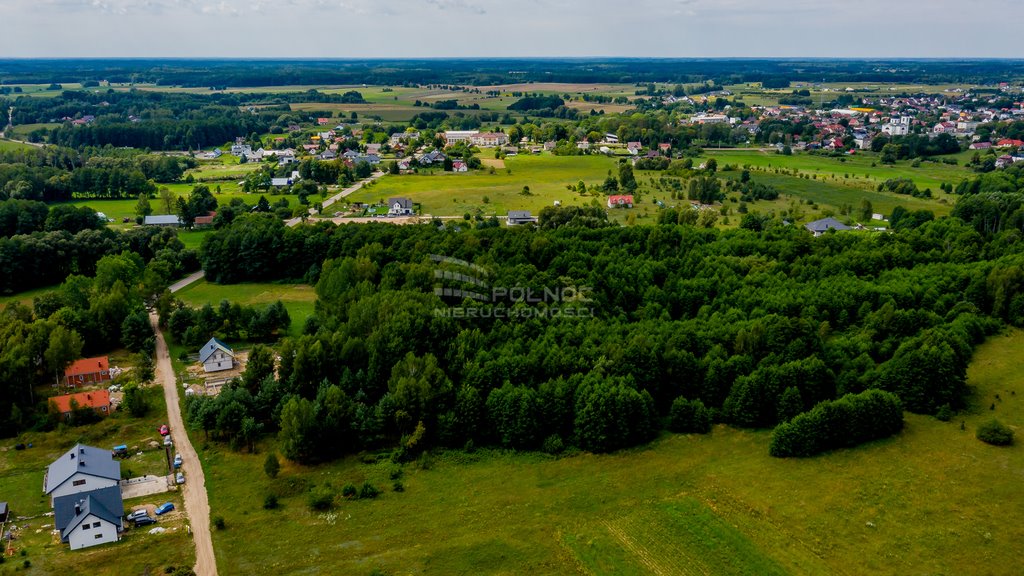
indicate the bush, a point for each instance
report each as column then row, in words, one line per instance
column 945, row 413
column 321, row 498
column 689, row 416
column 553, row 444
column 349, row 491
column 848, row 421
column 368, row 491
column 218, row 522
column 271, row 465
column 270, row 502
column 995, row 433
column 398, row 487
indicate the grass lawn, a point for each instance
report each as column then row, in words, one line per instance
column 858, row 167
column 9, row 145
column 298, row 299
column 21, row 479
column 933, row 500
column 453, row 194
column 26, row 296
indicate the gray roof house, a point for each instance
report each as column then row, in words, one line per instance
column 81, row 469
column 517, row 217
column 819, row 227
column 89, row 518
column 162, row 220
column 399, row 206
column 216, row 355
column 3, row 511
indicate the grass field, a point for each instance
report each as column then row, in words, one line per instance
column 21, row 479
column 297, row 298
column 9, row 145
column 933, row 500
column 25, row 297
column 451, row 194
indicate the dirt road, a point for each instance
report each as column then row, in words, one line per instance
column 337, row 197
column 196, row 504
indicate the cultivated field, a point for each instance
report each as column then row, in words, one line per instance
column 933, row 500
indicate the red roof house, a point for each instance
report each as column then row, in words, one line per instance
column 620, row 201
column 1006, row 142
column 87, row 371
column 98, row 400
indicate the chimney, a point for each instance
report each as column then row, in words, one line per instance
column 78, row 508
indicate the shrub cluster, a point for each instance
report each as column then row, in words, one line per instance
column 848, row 421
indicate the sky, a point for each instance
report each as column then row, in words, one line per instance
column 501, row 28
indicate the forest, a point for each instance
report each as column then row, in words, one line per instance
column 489, row 71
column 756, row 328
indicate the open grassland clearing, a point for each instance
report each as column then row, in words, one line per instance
column 453, row 194
column 298, row 299
column 933, row 500
column 25, row 297
column 11, row 145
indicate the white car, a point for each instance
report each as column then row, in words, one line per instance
column 167, row 441
column 180, row 478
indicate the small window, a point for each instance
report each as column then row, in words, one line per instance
column 98, row 536
column 95, row 524
column 78, row 482
column 85, row 526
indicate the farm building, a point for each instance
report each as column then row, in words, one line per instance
column 98, row 400
column 89, row 518
column 81, row 469
column 162, row 220
column 87, row 371
column 204, row 221
column 216, row 356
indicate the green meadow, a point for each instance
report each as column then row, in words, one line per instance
column 933, row 500
column 453, row 194
column 298, row 299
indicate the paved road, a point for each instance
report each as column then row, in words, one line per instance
column 338, row 196
column 186, row 281
column 196, row 503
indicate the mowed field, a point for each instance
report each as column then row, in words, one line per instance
column 933, row 500
column 453, row 194
column 298, row 299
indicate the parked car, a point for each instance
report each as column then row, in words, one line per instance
column 164, row 430
column 164, row 508
column 180, row 478
column 136, row 515
column 177, row 460
column 168, row 441
column 144, row 520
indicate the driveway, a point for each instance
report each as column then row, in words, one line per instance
column 145, row 486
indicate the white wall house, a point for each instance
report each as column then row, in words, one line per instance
column 216, row 356
column 90, row 518
column 81, row 469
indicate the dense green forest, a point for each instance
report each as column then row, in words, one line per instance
column 681, row 326
column 777, row 73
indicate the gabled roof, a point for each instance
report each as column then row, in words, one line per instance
column 826, row 224
column 105, row 504
column 87, row 366
column 91, row 399
column 402, row 202
column 212, row 346
column 519, row 214
column 162, row 219
column 82, row 459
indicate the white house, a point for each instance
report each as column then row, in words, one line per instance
column 455, row 136
column 488, row 139
column 216, row 356
column 399, row 207
column 89, row 518
column 81, row 469
column 894, row 129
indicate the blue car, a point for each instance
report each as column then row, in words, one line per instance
column 165, row 508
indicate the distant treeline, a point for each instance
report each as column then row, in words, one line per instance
column 236, row 73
